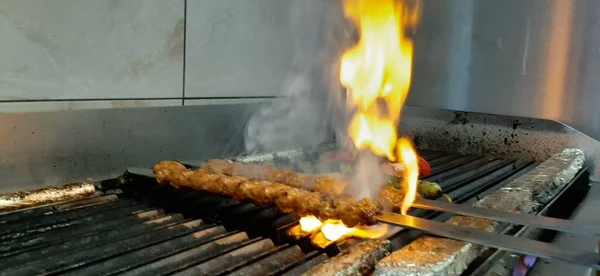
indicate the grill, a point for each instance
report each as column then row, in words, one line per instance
column 134, row 226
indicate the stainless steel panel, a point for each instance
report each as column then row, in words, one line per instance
column 507, row 136
column 535, row 58
column 48, row 148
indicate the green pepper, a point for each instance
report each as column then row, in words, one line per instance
column 426, row 189
column 429, row 190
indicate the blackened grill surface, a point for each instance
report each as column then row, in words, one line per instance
column 153, row 229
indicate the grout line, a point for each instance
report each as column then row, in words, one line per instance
column 88, row 100
column 134, row 99
column 231, row 98
column 184, row 50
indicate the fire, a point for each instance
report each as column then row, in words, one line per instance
column 376, row 73
column 310, row 223
column 334, row 230
column 411, row 172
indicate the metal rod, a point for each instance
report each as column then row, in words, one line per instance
column 496, row 240
column 575, row 227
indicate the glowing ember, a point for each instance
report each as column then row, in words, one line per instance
column 377, row 74
column 310, row 223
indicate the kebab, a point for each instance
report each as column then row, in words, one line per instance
column 324, row 183
column 286, row 198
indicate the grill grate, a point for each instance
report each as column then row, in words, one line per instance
column 155, row 229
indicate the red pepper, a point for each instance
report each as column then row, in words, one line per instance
column 424, row 168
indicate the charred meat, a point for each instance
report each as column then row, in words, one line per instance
column 286, row 198
column 323, row 184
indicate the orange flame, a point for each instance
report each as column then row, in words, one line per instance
column 377, row 74
column 411, row 172
column 310, row 223
column 334, row 230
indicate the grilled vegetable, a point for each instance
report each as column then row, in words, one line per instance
column 424, row 168
column 429, row 190
column 426, row 189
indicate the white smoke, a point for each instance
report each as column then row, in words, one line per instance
column 292, row 121
column 303, row 115
column 312, row 105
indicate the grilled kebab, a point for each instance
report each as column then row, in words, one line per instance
column 325, row 184
column 285, row 197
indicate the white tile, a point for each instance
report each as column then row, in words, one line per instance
column 7, row 107
column 225, row 101
column 84, row 49
column 237, row 47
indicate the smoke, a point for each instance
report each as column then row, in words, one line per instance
column 294, row 120
column 312, row 107
column 306, row 113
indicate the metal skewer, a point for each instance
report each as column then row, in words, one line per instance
column 496, row 240
column 570, row 226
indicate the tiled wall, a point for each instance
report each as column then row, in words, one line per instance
column 73, row 54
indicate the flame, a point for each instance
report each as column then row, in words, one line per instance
column 310, row 223
column 411, row 172
column 333, row 230
column 377, row 74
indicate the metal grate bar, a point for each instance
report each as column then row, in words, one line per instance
column 273, row 263
column 15, row 246
column 456, row 167
column 72, row 260
column 48, row 210
column 432, row 155
column 33, row 226
column 191, row 256
column 93, row 239
column 444, row 159
column 472, row 171
column 151, row 253
column 226, row 261
column 310, row 261
column 251, row 259
column 447, row 166
column 283, row 221
column 487, row 181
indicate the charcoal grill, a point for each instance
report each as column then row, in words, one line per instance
column 137, row 227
